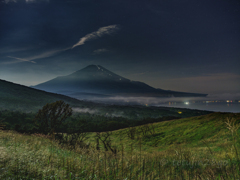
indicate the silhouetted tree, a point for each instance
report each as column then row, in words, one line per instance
column 51, row 116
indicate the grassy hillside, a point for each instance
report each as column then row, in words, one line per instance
column 192, row 148
column 193, row 132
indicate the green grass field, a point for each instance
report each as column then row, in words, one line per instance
column 203, row 147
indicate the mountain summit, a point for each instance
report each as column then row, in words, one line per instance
column 95, row 79
column 97, row 72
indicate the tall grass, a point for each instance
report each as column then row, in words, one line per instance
column 39, row 157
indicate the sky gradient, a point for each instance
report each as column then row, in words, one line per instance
column 187, row 45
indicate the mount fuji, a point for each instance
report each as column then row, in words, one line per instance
column 96, row 80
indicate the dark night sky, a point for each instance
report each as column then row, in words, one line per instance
column 183, row 45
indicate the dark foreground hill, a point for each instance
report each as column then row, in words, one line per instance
column 19, row 97
column 98, row 80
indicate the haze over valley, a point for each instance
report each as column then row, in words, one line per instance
column 97, row 84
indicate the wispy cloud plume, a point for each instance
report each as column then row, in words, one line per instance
column 98, row 51
column 46, row 54
column 21, row 59
column 107, row 30
column 97, row 34
column 35, row 57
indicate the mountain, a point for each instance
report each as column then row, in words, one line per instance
column 19, row 97
column 95, row 79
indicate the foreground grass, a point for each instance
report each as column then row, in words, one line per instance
column 195, row 133
column 149, row 156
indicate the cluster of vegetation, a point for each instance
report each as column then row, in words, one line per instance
column 103, row 120
column 24, row 122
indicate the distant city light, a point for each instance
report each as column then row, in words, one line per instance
column 179, row 112
column 187, row 103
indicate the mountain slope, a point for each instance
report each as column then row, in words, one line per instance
column 97, row 79
column 15, row 96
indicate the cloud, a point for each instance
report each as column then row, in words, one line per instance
column 98, row 51
column 116, row 114
column 46, row 54
column 94, row 35
column 21, row 59
column 35, row 57
column 85, row 110
column 98, row 112
column 97, row 34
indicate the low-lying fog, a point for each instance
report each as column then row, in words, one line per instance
column 96, row 111
column 214, row 102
